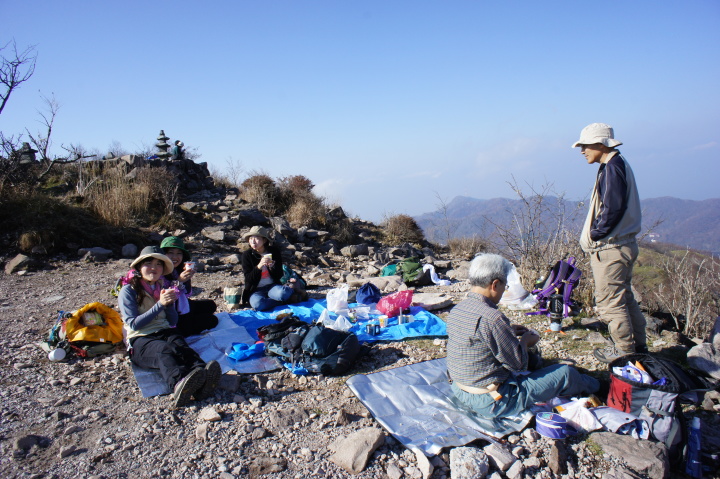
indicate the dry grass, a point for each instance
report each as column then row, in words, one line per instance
column 307, row 210
column 467, row 246
column 402, row 229
column 151, row 196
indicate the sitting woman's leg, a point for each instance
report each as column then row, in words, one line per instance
column 280, row 293
column 154, row 352
column 200, row 318
column 260, row 301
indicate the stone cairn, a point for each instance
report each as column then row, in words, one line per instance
column 163, row 146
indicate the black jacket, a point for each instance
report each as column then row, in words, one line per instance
column 249, row 261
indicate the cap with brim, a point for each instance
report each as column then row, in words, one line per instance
column 258, row 231
column 154, row 252
column 175, row 242
column 597, row 133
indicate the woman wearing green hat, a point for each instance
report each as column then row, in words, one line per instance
column 198, row 314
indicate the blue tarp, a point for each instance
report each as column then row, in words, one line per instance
column 425, row 325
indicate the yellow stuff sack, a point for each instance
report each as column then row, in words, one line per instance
column 94, row 322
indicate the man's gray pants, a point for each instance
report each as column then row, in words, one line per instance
column 612, row 269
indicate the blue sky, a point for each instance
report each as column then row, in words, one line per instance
column 386, row 105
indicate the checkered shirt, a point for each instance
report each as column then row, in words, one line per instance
column 482, row 347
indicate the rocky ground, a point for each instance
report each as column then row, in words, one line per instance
column 87, row 418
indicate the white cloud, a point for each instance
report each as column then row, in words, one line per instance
column 706, row 146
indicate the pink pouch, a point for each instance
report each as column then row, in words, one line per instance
column 392, row 304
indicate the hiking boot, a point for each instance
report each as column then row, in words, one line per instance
column 641, row 349
column 187, row 386
column 212, row 378
column 609, row 354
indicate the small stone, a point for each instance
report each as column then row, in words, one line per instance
column 66, row 451
column 209, row 414
column 201, row 431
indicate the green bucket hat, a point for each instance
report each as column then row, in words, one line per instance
column 175, row 242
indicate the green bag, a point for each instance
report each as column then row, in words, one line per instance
column 410, row 269
column 389, row 270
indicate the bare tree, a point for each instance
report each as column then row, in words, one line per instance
column 691, row 291
column 15, row 69
column 447, row 227
column 540, row 231
column 42, row 142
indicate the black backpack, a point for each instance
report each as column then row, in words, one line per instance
column 315, row 347
column 328, row 351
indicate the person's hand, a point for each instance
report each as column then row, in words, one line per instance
column 168, row 297
column 266, row 261
column 186, row 275
column 519, row 329
column 530, row 338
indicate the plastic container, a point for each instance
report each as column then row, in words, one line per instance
column 693, row 465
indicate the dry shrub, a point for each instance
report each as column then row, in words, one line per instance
column 306, row 210
column 402, row 229
column 342, row 230
column 467, row 246
column 36, row 238
column 259, row 189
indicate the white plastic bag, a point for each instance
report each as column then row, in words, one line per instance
column 342, row 324
column 325, row 319
column 337, row 299
column 515, row 296
column 578, row 416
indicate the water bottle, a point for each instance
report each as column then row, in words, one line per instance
column 693, row 465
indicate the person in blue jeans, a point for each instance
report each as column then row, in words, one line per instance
column 487, row 357
column 263, row 270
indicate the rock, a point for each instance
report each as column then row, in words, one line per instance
column 705, row 357
column 558, row 459
column 53, row 299
column 19, row 262
column 342, row 418
column 201, row 432
column 595, row 337
column 393, row 472
column 26, row 442
column 66, row 451
column 593, row 323
column 94, row 255
column 215, row 233
column 515, row 471
column 423, row 463
column 284, row 418
column 209, row 414
column 352, row 452
column 645, row 457
column 353, row 251
column 499, row 457
column 468, row 463
column 620, row 473
column 230, row 382
column 266, row 465
column 129, row 251
column 460, row 272
column 432, row 301
column 250, row 217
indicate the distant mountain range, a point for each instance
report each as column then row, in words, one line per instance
column 687, row 223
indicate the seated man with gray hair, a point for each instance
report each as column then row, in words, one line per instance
column 485, row 352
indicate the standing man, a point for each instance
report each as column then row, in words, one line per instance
column 608, row 236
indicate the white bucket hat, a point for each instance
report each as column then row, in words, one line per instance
column 597, row 133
